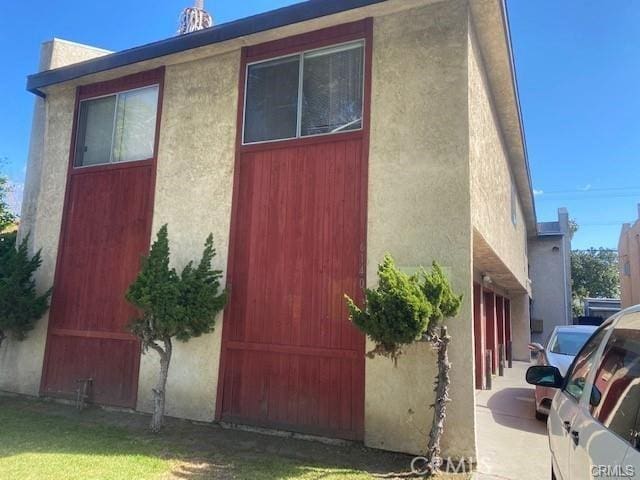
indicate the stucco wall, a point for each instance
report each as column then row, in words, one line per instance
column 21, row 362
column 629, row 253
column 193, row 196
column 548, row 269
column 491, row 176
column 419, row 211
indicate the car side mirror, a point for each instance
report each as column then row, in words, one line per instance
column 536, row 347
column 544, row 376
column 596, row 396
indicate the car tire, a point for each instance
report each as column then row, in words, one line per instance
column 540, row 416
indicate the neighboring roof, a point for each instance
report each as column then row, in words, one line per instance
column 602, row 300
column 281, row 17
column 549, row 228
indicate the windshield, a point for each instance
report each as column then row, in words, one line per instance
column 569, row 343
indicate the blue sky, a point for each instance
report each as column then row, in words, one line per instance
column 577, row 64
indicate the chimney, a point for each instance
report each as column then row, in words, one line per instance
column 194, row 18
column 563, row 219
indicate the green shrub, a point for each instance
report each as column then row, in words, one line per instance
column 439, row 294
column 20, row 304
column 396, row 313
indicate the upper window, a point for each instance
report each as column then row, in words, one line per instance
column 310, row 93
column 117, row 128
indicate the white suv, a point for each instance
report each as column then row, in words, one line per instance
column 594, row 419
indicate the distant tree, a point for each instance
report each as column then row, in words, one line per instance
column 573, row 228
column 7, row 217
column 171, row 305
column 595, row 274
column 20, row 304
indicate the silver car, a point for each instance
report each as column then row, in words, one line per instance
column 564, row 344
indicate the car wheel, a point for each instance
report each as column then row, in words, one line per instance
column 540, row 416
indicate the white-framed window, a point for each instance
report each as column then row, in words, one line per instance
column 120, row 127
column 314, row 92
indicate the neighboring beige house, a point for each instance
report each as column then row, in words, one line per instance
column 310, row 140
column 550, row 272
column 629, row 258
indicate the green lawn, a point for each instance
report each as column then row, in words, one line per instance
column 38, row 446
column 42, row 441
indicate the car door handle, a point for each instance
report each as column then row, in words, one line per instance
column 567, row 426
column 575, row 436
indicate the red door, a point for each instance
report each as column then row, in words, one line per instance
column 106, row 229
column 291, row 359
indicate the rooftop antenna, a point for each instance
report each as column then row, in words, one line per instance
column 194, row 18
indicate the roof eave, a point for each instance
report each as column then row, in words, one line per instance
column 273, row 19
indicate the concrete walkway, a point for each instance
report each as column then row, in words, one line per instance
column 512, row 444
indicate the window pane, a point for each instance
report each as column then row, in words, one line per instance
column 95, row 131
column 332, row 90
column 135, row 125
column 272, row 100
column 583, row 365
column 617, row 384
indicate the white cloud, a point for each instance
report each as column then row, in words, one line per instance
column 537, row 192
column 586, row 188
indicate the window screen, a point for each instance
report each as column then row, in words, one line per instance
column 95, row 131
column 311, row 93
column 135, row 125
column 272, row 100
column 332, row 90
column 117, row 128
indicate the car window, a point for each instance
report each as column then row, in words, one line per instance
column 583, row 364
column 615, row 401
column 568, row 343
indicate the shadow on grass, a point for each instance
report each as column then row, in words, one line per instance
column 46, row 440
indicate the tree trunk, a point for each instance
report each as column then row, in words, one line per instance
column 157, row 418
column 442, row 398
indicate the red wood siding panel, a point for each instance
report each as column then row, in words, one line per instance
column 490, row 318
column 294, row 360
column 108, row 215
column 478, row 335
column 106, row 227
column 500, row 319
column 111, row 363
column 290, row 357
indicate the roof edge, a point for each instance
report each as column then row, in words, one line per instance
column 296, row 13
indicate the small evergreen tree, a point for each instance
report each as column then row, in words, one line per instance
column 396, row 312
column 403, row 309
column 445, row 304
column 20, row 305
column 171, row 305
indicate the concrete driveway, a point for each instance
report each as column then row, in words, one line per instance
column 512, row 444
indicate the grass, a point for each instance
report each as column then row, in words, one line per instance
column 37, row 444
